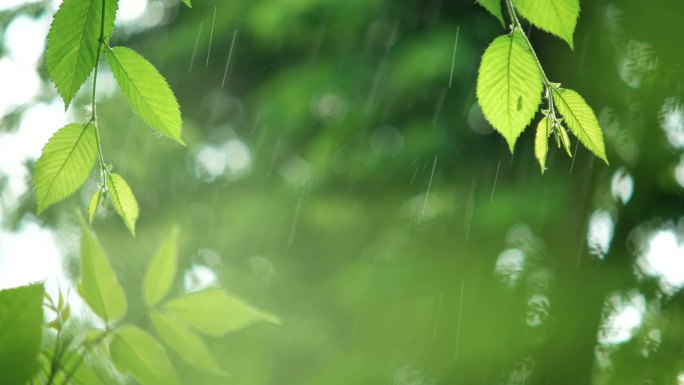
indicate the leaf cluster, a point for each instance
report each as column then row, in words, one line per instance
column 511, row 81
column 80, row 32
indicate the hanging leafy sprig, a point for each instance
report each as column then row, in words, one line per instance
column 78, row 37
column 511, row 81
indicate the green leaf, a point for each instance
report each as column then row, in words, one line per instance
column 21, row 317
column 71, row 50
column 541, row 141
column 213, row 312
column 189, row 346
column 99, row 285
column 565, row 139
column 161, row 270
column 509, row 85
column 137, row 352
column 187, row 2
column 65, row 164
column 146, row 91
column 493, row 7
column 581, row 120
column 123, row 200
column 558, row 17
column 92, row 206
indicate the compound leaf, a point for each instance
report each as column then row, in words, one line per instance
column 21, row 318
column 509, row 85
column 146, row 91
column 558, row 17
column 123, row 200
column 213, row 312
column 99, row 286
column 65, row 164
column 581, row 120
column 137, row 352
column 162, row 270
column 71, row 50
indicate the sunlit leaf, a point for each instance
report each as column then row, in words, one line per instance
column 541, row 141
column 215, row 313
column 189, row 346
column 92, row 206
column 146, row 91
column 21, row 317
column 187, row 2
column 558, row 17
column 493, row 7
column 123, row 200
column 71, row 50
column 135, row 351
column 565, row 140
column 99, row 285
column 161, row 270
column 65, row 164
column 509, row 85
column 581, row 120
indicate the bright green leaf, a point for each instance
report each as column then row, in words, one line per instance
column 493, row 7
column 71, row 50
column 99, row 285
column 123, row 200
column 215, row 313
column 92, row 206
column 565, row 139
column 21, row 317
column 161, row 270
column 581, row 120
column 509, row 85
column 541, row 141
column 558, row 17
column 189, row 346
column 135, row 351
column 187, row 2
column 65, row 164
column 146, row 91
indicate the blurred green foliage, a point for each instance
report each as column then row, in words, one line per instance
column 377, row 200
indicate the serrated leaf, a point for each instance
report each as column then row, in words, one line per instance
column 21, row 317
column 92, row 206
column 146, row 90
column 493, row 7
column 99, row 286
column 565, row 139
column 189, row 346
column 541, row 141
column 558, row 17
column 137, row 352
column 509, row 85
column 187, row 2
column 581, row 120
column 65, row 164
column 214, row 313
column 162, row 270
column 71, row 50
column 123, row 200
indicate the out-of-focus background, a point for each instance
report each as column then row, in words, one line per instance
column 340, row 174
